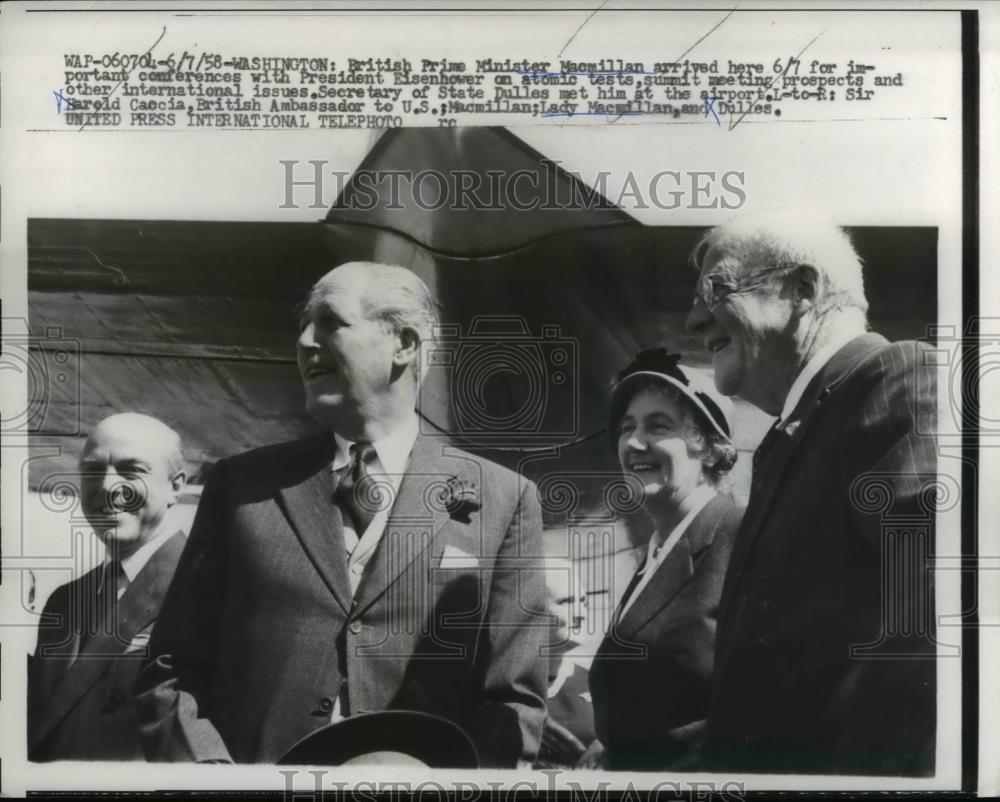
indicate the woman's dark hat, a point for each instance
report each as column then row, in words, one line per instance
column 697, row 387
column 390, row 737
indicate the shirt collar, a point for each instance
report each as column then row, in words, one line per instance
column 699, row 497
column 809, row 372
column 136, row 561
column 393, row 450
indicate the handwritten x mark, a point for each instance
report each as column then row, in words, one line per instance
column 60, row 99
column 710, row 108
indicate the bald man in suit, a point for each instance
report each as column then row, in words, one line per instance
column 94, row 631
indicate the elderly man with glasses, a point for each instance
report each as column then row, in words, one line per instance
column 825, row 653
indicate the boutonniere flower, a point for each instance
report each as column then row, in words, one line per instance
column 461, row 498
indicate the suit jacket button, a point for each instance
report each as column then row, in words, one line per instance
column 357, row 569
column 326, row 704
column 356, row 627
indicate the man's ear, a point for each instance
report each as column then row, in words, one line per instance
column 407, row 346
column 806, row 282
column 177, row 482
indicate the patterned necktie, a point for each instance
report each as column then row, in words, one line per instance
column 356, row 491
column 761, row 457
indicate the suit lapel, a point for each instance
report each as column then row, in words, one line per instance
column 59, row 647
column 135, row 610
column 140, row 603
column 669, row 577
column 309, row 505
column 414, row 522
column 796, row 429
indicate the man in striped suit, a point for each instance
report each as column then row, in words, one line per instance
column 825, row 653
column 368, row 567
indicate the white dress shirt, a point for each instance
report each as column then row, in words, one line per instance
column 808, row 373
column 656, row 554
column 392, row 455
column 136, row 561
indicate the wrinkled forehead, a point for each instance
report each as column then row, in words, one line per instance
column 343, row 289
column 722, row 257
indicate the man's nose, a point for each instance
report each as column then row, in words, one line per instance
column 698, row 317
column 108, row 486
column 307, row 337
column 103, row 479
column 118, row 488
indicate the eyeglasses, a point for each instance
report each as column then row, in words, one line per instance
column 712, row 289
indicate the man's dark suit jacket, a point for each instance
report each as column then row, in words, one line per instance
column 651, row 676
column 80, row 704
column 814, row 670
column 259, row 633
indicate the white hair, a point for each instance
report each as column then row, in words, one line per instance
column 756, row 243
column 402, row 300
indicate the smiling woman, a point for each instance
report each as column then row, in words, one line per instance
column 672, row 432
column 662, row 442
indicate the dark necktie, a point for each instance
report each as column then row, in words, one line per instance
column 357, row 492
column 103, row 618
column 761, row 457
